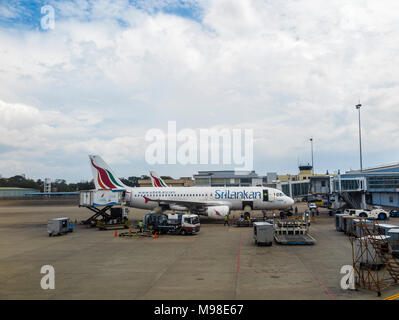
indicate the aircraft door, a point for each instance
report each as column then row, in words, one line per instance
column 265, row 195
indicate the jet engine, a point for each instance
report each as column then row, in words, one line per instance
column 176, row 207
column 218, row 212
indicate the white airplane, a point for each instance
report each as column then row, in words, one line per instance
column 214, row 202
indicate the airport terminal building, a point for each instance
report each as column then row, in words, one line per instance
column 373, row 186
column 227, row 178
column 293, row 185
column 15, row 192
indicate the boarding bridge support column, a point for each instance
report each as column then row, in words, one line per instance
column 363, row 204
column 336, row 201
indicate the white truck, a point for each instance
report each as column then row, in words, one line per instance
column 178, row 223
column 376, row 213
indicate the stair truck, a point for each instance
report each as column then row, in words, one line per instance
column 178, row 223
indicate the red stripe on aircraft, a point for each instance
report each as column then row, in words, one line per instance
column 104, row 176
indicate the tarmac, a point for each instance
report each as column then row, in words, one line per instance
column 219, row 262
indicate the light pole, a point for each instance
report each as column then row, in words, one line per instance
column 311, row 149
column 360, row 138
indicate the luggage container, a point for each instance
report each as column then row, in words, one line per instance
column 383, row 228
column 338, row 221
column 358, row 231
column 370, row 257
column 348, row 224
column 394, row 241
column 355, row 228
column 58, row 226
column 344, row 222
column 263, row 233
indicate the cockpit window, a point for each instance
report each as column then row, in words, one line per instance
column 195, row 220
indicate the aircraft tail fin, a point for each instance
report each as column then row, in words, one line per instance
column 157, row 180
column 104, row 177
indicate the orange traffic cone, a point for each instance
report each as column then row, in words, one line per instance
column 130, row 230
column 116, row 234
column 155, row 235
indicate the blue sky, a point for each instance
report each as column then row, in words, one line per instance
column 27, row 14
column 112, row 70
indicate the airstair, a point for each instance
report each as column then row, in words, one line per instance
column 350, row 201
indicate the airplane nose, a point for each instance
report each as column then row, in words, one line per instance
column 290, row 201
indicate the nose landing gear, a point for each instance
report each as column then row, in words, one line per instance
column 247, row 211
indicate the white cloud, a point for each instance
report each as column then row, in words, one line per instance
column 38, row 135
column 289, row 70
column 9, row 11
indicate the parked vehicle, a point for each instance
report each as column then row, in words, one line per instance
column 394, row 213
column 118, row 218
column 245, row 221
column 59, row 226
column 312, row 205
column 178, row 223
column 378, row 214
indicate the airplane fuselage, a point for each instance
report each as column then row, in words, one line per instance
column 216, row 202
column 236, row 198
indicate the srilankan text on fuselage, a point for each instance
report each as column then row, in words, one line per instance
column 237, row 194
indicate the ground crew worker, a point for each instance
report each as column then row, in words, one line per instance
column 296, row 210
column 141, row 226
column 226, row 220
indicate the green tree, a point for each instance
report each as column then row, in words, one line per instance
column 131, row 181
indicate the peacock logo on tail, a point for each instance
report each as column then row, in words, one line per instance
column 105, row 178
column 157, row 180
